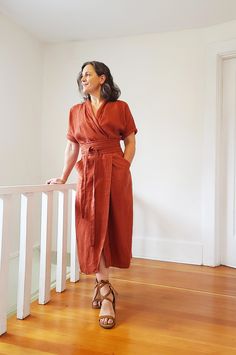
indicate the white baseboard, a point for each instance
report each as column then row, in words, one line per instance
column 168, row 250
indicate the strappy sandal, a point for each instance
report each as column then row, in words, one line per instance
column 96, row 301
column 112, row 292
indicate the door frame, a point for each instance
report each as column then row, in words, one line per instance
column 216, row 54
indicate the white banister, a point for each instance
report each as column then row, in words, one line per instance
column 62, row 241
column 4, row 254
column 25, row 256
column 12, row 190
column 74, row 264
column 28, row 218
column 45, row 248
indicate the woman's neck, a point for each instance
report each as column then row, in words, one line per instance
column 96, row 100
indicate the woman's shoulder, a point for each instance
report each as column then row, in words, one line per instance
column 77, row 107
column 119, row 103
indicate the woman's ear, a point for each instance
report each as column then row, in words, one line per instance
column 102, row 79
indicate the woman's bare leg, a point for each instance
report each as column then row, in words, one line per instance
column 103, row 273
column 107, row 308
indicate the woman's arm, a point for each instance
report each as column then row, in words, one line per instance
column 71, row 156
column 129, row 147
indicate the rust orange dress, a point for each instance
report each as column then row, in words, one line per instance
column 104, row 202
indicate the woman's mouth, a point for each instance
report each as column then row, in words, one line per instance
column 84, row 86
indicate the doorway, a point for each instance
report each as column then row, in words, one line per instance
column 218, row 188
column 227, row 165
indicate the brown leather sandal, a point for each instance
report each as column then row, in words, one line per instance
column 112, row 292
column 96, row 301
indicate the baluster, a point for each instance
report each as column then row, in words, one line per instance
column 74, row 265
column 4, row 256
column 25, row 256
column 62, row 241
column 45, row 248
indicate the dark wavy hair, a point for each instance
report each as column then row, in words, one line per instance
column 109, row 90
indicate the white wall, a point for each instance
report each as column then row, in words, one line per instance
column 21, row 71
column 21, row 77
column 21, row 74
column 162, row 79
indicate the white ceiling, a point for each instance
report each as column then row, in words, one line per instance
column 73, row 20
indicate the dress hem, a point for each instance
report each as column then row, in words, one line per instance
column 112, row 265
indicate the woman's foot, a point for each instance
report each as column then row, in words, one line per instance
column 107, row 312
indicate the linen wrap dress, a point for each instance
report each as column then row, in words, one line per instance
column 104, row 202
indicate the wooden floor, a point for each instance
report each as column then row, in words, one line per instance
column 163, row 308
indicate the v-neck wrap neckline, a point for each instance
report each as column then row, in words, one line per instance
column 97, row 114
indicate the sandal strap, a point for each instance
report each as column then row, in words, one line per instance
column 103, row 283
column 97, row 296
column 111, row 291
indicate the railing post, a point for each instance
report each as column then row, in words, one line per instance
column 74, row 265
column 27, row 219
column 45, row 248
column 62, row 241
column 4, row 255
column 25, row 257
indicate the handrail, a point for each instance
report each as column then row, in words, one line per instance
column 66, row 198
column 22, row 189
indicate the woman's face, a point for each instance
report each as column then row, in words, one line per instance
column 91, row 82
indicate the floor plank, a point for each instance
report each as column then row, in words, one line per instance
column 163, row 308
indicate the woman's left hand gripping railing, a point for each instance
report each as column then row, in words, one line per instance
column 65, row 212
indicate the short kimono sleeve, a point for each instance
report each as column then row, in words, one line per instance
column 130, row 126
column 70, row 130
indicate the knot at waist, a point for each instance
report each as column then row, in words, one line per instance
column 100, row 147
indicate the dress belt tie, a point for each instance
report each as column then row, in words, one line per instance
column 93, row 150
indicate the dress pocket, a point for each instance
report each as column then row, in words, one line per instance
column 125, row 162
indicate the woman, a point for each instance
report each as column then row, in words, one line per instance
column 104, row 207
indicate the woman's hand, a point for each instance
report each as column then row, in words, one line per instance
column 54, row 181
column 129, row 147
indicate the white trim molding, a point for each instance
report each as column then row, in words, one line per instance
column 217, row 52
column 168, row 250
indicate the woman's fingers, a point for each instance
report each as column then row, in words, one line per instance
column 51, row 181
column 55, row 181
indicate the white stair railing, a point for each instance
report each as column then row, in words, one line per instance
column 27, row 216
column 61, row 241
column 74, row 270
column 45, row 248
column 25, row 256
